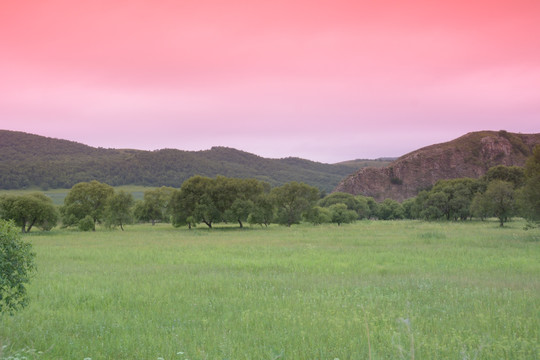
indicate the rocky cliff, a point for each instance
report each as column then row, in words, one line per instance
column 468, row 156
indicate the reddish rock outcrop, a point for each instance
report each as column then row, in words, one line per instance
column 468, row 156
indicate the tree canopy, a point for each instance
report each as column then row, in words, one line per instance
column 35, row 209
column 86, row 199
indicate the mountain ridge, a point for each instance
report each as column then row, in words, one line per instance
column 30, row 160
column 470, row 155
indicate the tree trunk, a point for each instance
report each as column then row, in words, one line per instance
column 30, row 226
column 240, row 222
column 121, row 227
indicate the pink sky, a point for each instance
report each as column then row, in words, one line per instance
column 323, row 80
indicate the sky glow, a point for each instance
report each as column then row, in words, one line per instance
column 323, row 80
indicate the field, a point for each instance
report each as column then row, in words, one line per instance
column 370, row 290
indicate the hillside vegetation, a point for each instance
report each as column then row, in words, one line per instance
column 36, row 161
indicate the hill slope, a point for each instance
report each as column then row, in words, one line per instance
column 468, row 156
column 31, row 160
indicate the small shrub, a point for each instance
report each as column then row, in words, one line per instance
column 87, row 224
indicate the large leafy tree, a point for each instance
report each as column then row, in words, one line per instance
column 86, row 199
column 193, row 203
column 340, row 214
column 500, row 199
column 512, row 174
column 530, row 193
column 359, row 203
column 118, row 209
column 30, row 210
column 390, row 209
column 154, row 206
column 292, row 199
column 262, row 212
column 16, row 267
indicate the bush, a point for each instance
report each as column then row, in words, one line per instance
column 16, row 267
column 87, row 224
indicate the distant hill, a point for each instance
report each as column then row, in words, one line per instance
column 29, row 160
column 468, row 156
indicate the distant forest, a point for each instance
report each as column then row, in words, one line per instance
column 35, row 161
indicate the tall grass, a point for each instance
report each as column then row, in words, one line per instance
column 379, row 290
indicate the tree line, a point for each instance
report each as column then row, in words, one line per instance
column 504, row 191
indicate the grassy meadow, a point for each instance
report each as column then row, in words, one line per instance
column 370, row 290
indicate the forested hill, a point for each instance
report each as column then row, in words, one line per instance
column 35, row 161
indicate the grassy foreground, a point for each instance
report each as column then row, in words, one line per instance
column 379, row 290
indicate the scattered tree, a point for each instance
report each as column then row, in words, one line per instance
column 500, row 197
column 318, row 215
column 86, row 199
column 390, row 210
column 118, row 209
column 30, row 210
column 154, row 206
column 292, row 199
column 341, row 214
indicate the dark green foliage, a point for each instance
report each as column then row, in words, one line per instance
column 500, row 199
column 447, row 199
column 291, row 200
column 202, row 199
column 29, row 210
column 118, row 210
column 390, row 210
column 480, row 206
column 31, row 160
column 239, row 211
column 530, row 194
column 263, row 211
column 16, row 267
column 154, row 206
column 512, row 174
column 86, row 224
column 340, row 214
column 318, row 215
column 358, row 204
column 86, row 199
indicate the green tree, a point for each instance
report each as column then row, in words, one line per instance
column 292, row 199
column 359, row 203
column 390, row 210
column 435, row 206
column 16, row 267
column 154, row 206
column 318, row 215
column 340, row 214
column 86, row 198
column 480, row 206
column 530, row 193
column 118, row 209
column 239, row 211
column 193, row 203
column 512, row 174
column 30, row 210
column 500, row 196
column 262, row 212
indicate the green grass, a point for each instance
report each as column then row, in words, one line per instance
column 385, row 290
